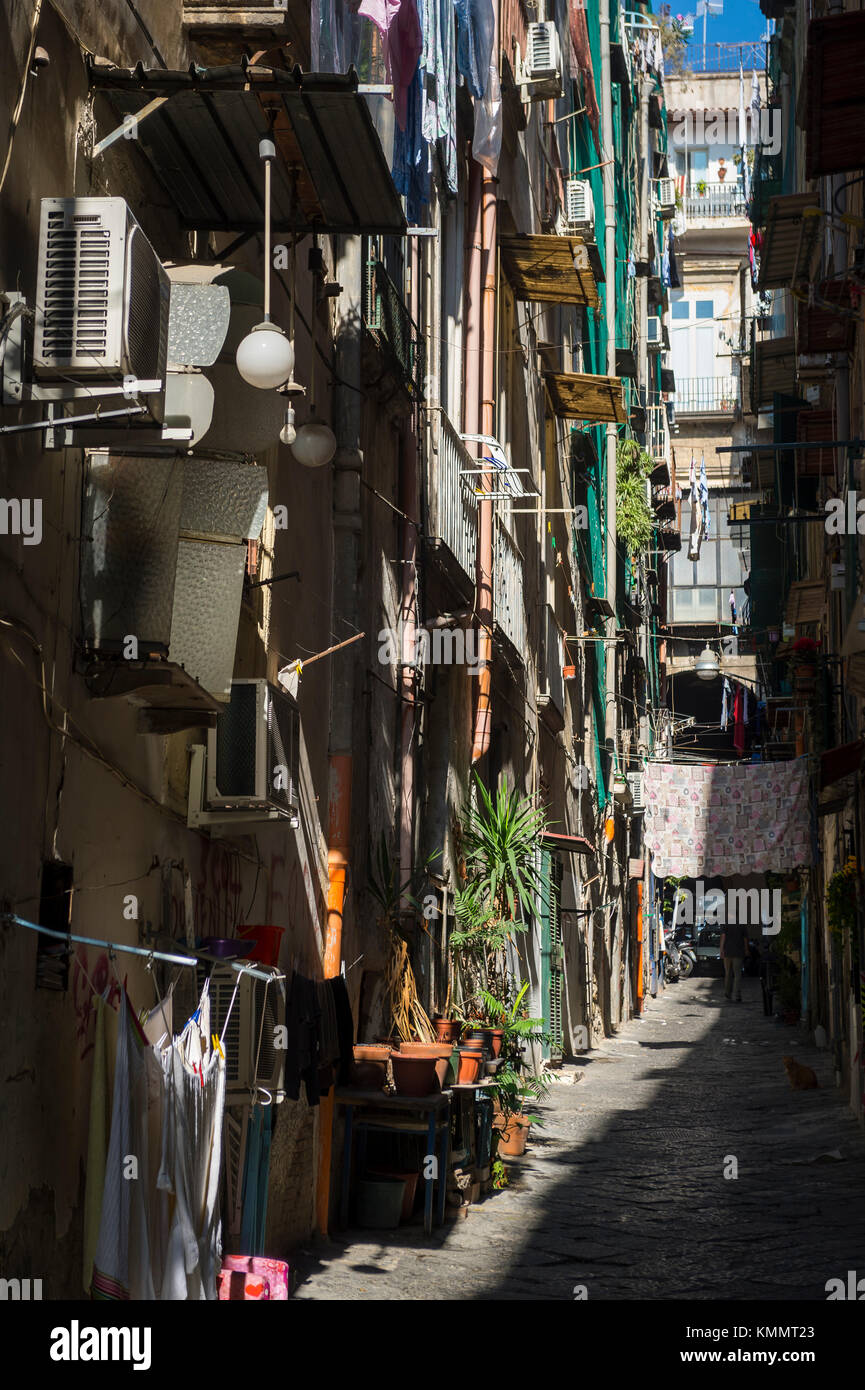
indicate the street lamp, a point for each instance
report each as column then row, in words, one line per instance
column 265, row 357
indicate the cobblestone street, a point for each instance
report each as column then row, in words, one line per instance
column 623, row 1189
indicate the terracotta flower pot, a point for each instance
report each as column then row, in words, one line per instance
column 515, row 1136
column 414, row 1075
column 441, row 1052
column 447, row 1029
column 479, row 1033
column 369, row 1069
column 498, row 1042
column 471, row 1065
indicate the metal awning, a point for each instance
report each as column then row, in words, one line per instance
column 200, row 129
column 576, row 396
column 835, row 95
column 806, row 602
column 829, row 324
column 819, row 425
column 626, row 363
column 567, row 844
column 789, row 240
column 774, row 369
column 549, row 269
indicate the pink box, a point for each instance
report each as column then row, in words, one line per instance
column 253, row 1278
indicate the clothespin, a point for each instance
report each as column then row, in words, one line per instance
column 217, row 1045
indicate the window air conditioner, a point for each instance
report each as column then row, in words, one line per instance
column 654, row 335
column 543, row 65
column 250, row 1042
column 635, row 782
column 579, row 206
column 253, row 754
column 665, row 197
column 102, row 295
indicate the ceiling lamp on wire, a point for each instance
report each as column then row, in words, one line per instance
column 315, row 442
column 707, row 665
column 265, row 357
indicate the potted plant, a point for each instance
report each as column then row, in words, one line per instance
column 701, row 188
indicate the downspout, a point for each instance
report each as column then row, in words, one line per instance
column 471, row 415
column 346, row 522
column 483, row 712
column 408, row 617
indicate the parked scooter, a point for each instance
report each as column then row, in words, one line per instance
column 679, row 961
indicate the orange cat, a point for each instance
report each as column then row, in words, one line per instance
column 802, row 1078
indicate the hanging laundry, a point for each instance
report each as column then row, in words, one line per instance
column 438, row 63
column 302, row 1055
column 410, row 170
column 738, row 720
column 256, row 1179
column 632, row 266
column 475, row 32
column 194, row 1081
column 675, row 278
column 704, row 498
column 583, row 55
column 398, row 23
column 97, row 1144
column 487, row 139
column 725, row 706
column 122, row 1262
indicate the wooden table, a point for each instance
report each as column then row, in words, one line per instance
column 394, row 1114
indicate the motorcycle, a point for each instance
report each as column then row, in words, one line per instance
column 679, row 961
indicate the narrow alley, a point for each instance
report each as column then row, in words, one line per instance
column 623, row 1191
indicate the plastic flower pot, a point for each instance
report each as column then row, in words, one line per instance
column 441, row 1052
column 267, row 942
column 409, row 1179
column 471, row 1065
column 380, row 1203
column 514, row 1136
column 414, row 1075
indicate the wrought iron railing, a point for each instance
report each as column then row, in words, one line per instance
column 715, row 200
column 658, row 433
column 725, row 57
column 707, row 395
column 453, row 503
column 386, row 316
column 509, row 610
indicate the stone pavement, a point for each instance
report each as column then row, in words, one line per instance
column 623, row 1190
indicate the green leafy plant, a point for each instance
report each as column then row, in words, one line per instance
column 841, row 898
column 634, row 519
column 500, row 837
column 701, row 188
column 499, row 1175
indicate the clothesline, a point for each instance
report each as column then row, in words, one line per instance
column 241, row 968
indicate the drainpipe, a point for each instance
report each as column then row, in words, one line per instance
column 610, row 712
column 471, row 425
column 408, row 617
column 346, row 522
column 483, row 713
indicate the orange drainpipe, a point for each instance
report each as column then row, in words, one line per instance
column 338, row 838
column 639, row 948
column 484, row 600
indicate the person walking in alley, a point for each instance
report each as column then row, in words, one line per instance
column 734, row 948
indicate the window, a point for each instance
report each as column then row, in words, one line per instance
column 680, row 309
column 705, row 309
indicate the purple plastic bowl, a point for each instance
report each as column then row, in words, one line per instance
column 226, row 948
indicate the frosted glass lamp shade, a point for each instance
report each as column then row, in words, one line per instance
column 707, row 666
column 265, row 357
column 315, row 444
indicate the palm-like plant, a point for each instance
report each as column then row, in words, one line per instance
column 500, row 838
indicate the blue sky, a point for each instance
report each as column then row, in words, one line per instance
column 741, row 20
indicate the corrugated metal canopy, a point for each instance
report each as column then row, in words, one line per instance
column 549, row 269
column 806, row 602
column 835, row 112
column 787, row 240
column 774, row 369
column 576, row 396
column 203, row 146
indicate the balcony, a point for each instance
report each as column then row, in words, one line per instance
column 658, row 434
column 393, row 328
column 453, row 504
column 509, row 611
column 707, row 395
column 716, row 201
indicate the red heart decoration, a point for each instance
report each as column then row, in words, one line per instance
column 254, row 1290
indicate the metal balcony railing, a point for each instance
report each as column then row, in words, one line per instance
column 725, row 57
column 387, row 317
column 658, row 433
column 509, row 610
column 716, row 200
column 707, row 395
column 453, row 504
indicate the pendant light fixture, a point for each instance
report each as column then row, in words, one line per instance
column 707, row 665
column 265, row 357
column 315, row 442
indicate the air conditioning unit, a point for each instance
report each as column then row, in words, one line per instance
column 579, row 206
column 253, row 1057
column 635, row 782
column 665, row 197
column 102, row 295
column 253, row 754
column 654, row 332
column 542, row 70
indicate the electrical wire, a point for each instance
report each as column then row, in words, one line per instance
column 16, row 114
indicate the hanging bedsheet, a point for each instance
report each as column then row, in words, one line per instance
column 725, row 820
